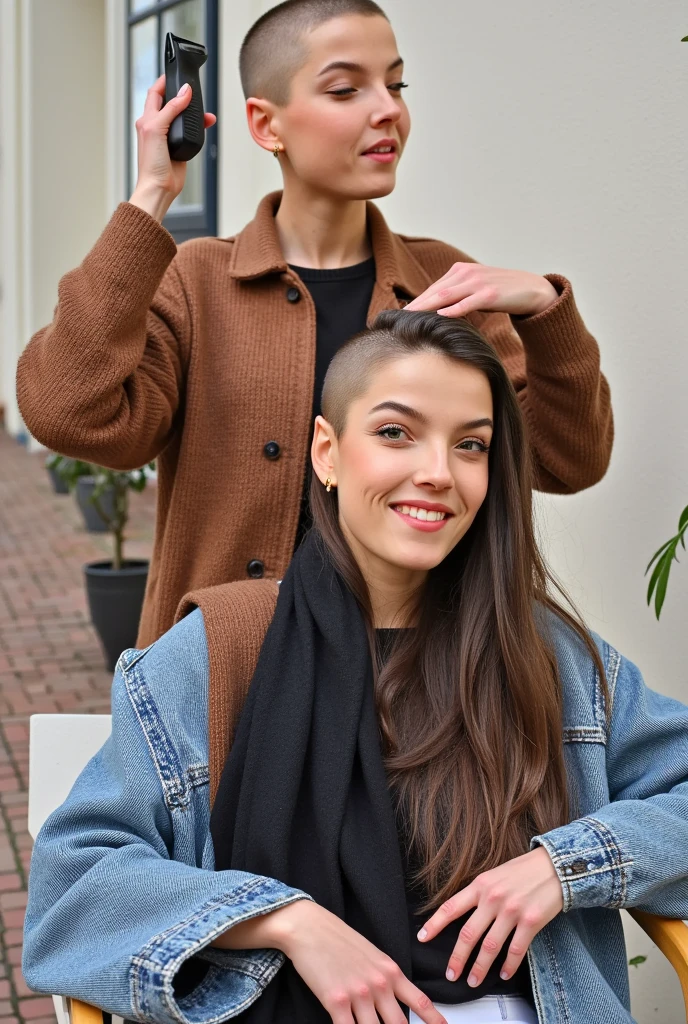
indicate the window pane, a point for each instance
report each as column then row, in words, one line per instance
column 143, row 73
column 140, row 5
column 187, row 20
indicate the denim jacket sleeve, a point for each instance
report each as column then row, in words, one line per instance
column 633, row 851
column 122, row 890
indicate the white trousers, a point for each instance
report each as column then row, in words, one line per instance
column 485, row 1011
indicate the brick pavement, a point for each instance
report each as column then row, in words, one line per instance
column 50, row 661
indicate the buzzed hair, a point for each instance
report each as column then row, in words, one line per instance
column 396, row 334
column 274, row 48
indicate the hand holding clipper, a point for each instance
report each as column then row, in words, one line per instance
column 183, row 62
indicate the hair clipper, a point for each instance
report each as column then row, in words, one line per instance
column 183, row 63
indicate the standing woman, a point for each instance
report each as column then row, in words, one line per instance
column 211, row 358
column 441, row 789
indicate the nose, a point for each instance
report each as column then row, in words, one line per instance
column 434, row 472
column 387, row 110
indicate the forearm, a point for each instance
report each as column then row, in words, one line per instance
column 105, row 369
column 554, row 364
column 275, row 929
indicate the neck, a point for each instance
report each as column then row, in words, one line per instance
column 319, row 231
column 391, row 591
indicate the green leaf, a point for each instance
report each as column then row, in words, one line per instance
column 683, row 526
column 662, row 581
column 685, row 39
column 636, row 960
column 661, row 551
column 658, row 569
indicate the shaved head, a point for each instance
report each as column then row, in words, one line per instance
column 396, row 334
column 275, row 47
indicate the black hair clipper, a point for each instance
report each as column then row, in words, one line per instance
column 183, row 62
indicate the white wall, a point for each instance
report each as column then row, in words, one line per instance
column 555, row 139
column 552, row 137
column 53, row 177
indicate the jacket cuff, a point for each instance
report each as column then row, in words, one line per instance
column 557, row 337
column 593, row 869
column 235, row 978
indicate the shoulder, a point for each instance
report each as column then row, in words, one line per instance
column 202, row 253
column 432, row 254
column 167, row 685
column 584, row 694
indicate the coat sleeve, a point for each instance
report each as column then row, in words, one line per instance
column 633, row 852
column 554, row 364
column 103, row 381
column 118, row 904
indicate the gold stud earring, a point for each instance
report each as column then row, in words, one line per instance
column 328, row 484
column 276, row 151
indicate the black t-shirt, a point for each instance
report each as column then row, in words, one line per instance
column 429, row 959
column 341, row 298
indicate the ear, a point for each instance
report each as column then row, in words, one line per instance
column 260, row 115
column 324, row 451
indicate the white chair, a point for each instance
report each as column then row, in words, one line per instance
column 61, row 745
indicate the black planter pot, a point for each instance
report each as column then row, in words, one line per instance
column 85, row 486
column 115, row 598
column 59, row 485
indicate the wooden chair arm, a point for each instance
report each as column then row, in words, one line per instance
column 671, row 937
column 84, row 1013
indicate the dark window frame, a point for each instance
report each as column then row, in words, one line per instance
column 181, row 225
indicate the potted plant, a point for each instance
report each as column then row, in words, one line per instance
column 115, row 587
column 663, row 559
column 60, row 469
column 80, row 477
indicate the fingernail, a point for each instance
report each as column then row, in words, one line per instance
column 472, row 980
column 422, row 934
column 450, row 974
column 184, row 89
column 504, row 975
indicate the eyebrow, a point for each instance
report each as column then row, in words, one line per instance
column 406, row 410
column 347, row 65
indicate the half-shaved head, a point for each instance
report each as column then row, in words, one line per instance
column 396, row 334
column 275, row 47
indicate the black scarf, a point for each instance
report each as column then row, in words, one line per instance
column 303, row 796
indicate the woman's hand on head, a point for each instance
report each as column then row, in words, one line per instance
column 469, row 287
column 521, row 896
column 160, row 179
column 350, row 976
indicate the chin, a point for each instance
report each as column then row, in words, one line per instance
column 370, row 189
column 417, row 561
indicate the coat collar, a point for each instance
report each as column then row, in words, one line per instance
column 257, row 251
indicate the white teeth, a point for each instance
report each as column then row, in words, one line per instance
column 381, row 149
column 423, row 514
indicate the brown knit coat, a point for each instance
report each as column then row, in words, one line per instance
column 199, row 357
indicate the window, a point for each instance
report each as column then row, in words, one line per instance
column 194, row 211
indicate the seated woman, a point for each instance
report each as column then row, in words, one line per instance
column 441, row 787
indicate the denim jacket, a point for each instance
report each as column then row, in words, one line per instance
column 122, row 889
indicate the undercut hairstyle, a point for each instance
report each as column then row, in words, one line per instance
column 469, row 702
column 275, row 46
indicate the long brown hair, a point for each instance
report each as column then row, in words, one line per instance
column 469, row 702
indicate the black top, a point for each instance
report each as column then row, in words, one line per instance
column 341, row 298
column 430, row 959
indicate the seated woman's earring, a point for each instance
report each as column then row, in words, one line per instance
column 276, row 151
column 328, row 484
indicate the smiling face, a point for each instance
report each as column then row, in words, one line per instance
column 411, row 465
column 345, row 124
